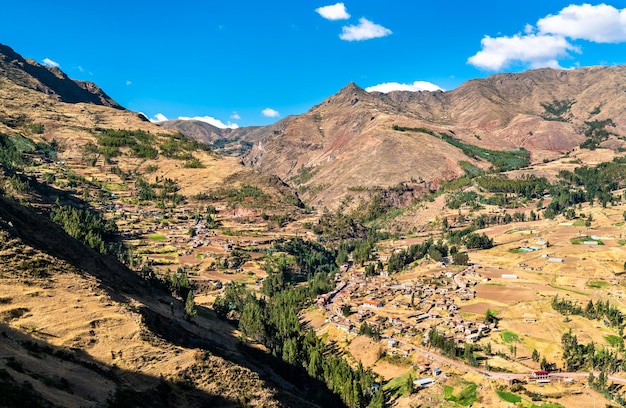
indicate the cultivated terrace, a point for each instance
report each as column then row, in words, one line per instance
column 139, row 266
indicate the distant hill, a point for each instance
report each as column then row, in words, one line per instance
column 50, row 80
column 348, row 143
column 230, row 142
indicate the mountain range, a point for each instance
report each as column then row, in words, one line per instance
column 352, row 141
column 88, row 325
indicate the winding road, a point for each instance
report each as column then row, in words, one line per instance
column 496, row 375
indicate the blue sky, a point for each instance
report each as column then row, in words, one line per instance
column 242, row 63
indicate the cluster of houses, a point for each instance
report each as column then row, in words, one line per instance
column 401, row 310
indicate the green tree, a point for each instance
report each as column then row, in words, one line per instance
column 290, row 351
column 460, row 258
column 535, row 356
column 488, row 350
column 378, row 400
column 316, row 364
column 370, row 269
column 345, row 310
column 491, row 316
column 478, row 241
column 342, row 256
column 408, row 385
column 252, row 321
column 190, row 306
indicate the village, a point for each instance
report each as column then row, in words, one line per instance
column 216, row 242
column 402, row 311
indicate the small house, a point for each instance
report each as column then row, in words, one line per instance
column 423, row 382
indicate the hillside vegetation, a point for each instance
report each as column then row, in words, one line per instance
column 469, row 237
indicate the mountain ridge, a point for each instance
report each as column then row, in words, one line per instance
column 112, row 325
column 50, row 80
column 502, row 112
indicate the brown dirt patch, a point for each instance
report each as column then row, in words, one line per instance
column 504, row 294
column 365, row 350
column 479, row 308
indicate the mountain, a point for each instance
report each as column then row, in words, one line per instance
column 79, row 327
column 230, row 142
column 50, row 80
column 140, row 268
column 356, row 140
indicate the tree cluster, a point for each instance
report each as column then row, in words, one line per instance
column 274, row 321
column 600, row 310
column 399, row 259
column 87, row 226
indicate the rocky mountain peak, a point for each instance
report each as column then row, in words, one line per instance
column 50, row 80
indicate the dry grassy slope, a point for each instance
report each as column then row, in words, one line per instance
column 70, row 124
column 348, row 138
column 80, row 327
column 97, row 328
column 49, row 80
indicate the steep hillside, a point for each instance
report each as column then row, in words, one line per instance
column 83, row 330
column 50, row 80
column 78, row 326
column 110, row 146
column 348, row 142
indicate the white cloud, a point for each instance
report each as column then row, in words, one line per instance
column 395, row 86
column 550, row 41
column 529, row 29
column 212, row 121
column 80, row 68
column 128, row 82
column 537, row 50
column 235, row 116
column 159, row 117
column 50, row 63
column 270, row 113
column 365, row 30
column 334, row 12
column 601, row 23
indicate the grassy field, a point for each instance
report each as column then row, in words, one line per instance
column 570, row 290
column 397, row 386
column 509, row 337
column 597, row 284
column 466, row 397
column 508, row 397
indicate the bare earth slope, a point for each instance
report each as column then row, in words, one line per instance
column 348, row 140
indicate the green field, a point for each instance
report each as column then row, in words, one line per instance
column 397, row 386
column 613, row 340
column 597, row 284
column 466, row 397
column 582, row 240
column 509, row 337
column 569, row 290
column 508, row 397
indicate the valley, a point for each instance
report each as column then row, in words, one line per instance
column 403, row 249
